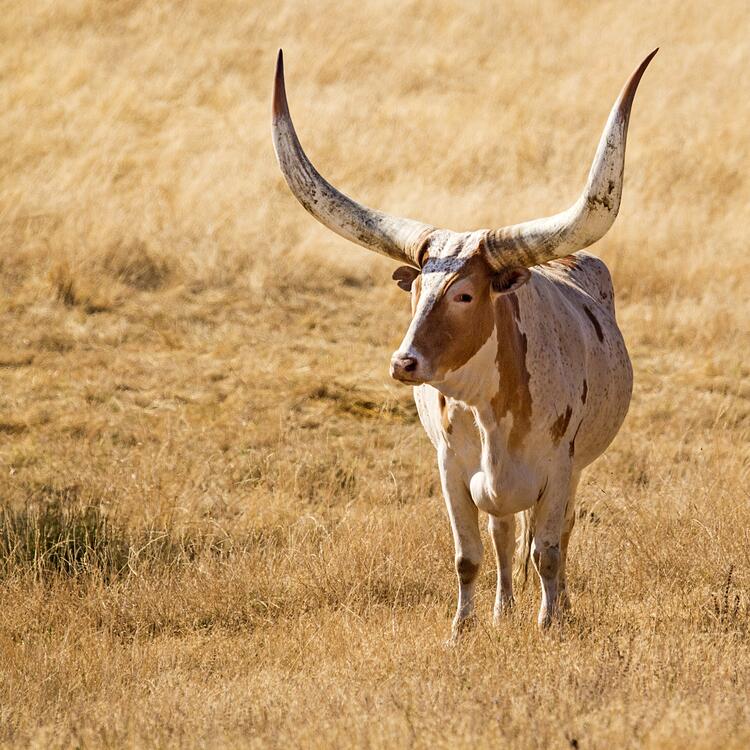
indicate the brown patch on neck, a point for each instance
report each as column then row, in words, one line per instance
column 594, row 322
column 560, row 426
column 513, row 395
column 585, row 391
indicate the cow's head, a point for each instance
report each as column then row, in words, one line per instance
column 454, row 277
column 452, row 300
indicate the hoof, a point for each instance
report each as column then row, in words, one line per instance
column 503, row 612
column 459, row 628
column 450, row 643
column 545, row 618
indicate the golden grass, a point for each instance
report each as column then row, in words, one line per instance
column 221, row 522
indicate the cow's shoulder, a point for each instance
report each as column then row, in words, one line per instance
column 585, row 272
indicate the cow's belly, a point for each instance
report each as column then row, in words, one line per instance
column 610, row 385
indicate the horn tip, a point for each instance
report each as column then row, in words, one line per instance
column 628, row 93
column 642, row 67
column 280, row 107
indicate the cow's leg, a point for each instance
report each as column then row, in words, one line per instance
column 545, row 548
column 568, row 523
column 464, row 520
column 503, row 533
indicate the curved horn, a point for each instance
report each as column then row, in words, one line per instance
column 397, row 238
column 591, row 216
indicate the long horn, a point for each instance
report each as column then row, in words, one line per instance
column 395, row 237
column 591, row 216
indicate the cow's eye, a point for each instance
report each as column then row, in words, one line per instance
column 463, row 298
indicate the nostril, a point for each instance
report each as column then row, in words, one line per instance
column 405, row 367
column 409, row 364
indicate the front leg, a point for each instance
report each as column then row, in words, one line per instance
column 463, row 516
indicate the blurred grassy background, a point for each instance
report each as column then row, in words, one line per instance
column 153, row 118
column 221, row 523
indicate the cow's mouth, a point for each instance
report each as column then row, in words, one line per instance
column 409, row 381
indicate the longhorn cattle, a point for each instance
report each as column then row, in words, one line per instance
column 520, row 373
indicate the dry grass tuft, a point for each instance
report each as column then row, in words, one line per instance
column 52, row 539
column 220, row 522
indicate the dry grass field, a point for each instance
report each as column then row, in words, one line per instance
column 220, row 521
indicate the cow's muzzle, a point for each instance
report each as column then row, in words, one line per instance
column 405, row 367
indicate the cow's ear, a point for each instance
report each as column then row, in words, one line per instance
column 510, row 279
column 404, row 276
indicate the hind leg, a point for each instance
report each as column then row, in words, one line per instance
column 568, row 523
column 503, row 532
column 546, row 545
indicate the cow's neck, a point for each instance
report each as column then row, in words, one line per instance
column 475, row 382
column 476, row 385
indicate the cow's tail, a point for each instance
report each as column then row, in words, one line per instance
column 523, row 546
